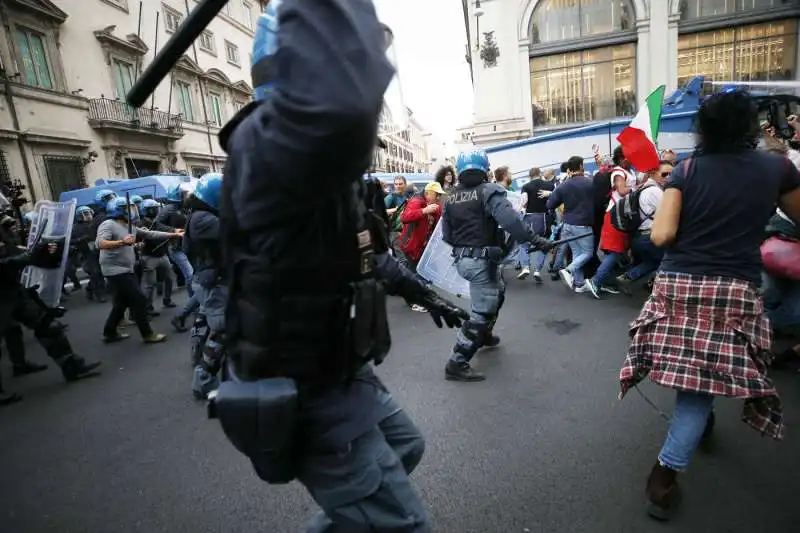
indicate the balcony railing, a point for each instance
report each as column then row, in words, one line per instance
column 115, row 112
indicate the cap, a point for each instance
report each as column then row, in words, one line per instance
column 435, row 187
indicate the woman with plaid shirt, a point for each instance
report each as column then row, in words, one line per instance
column 703, row 331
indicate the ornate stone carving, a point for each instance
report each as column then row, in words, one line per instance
column 489, row 50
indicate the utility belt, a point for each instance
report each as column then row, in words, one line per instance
column 283, row 337
column 493, row 253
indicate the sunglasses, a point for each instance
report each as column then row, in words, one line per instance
column 666, row 174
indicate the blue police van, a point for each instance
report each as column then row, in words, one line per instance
column 154, row 187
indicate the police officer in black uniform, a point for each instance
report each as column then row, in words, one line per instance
column 17, row 304
column 301, row 399
column 471, row 224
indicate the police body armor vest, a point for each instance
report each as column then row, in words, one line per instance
column 470, row 225
column 204, row 255
column 304, row 302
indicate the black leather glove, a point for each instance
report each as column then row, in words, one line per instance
column 540, row 243
column 441, row 309
column 47, row 253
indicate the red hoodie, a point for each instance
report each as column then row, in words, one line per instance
column 417, row 227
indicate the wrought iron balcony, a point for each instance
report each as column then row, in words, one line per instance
column 105, row 113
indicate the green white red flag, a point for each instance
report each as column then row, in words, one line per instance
column 639, row 138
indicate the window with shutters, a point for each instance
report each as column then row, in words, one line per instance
column 183, row 94
column 34, row 64
column 232, row 53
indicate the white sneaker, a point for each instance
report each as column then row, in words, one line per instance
column 592, row 288
column 566, row 277
column 524, row 274
column 537, row 278
column 582, row 288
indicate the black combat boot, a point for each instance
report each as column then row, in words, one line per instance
column 491, row 341
column 663, row 492
column 461, row 372
column 179, row 324
column 75, row 368
column 25, row 367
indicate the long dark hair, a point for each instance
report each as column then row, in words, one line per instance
column 442, row 172
column 727, row 123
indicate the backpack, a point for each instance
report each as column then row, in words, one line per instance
column 626, row 214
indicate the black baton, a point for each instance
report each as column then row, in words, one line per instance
column 178, row 44
column 570, row 239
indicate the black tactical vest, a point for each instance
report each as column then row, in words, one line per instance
column 205, row 255
column 470, row 225
column 303, row 299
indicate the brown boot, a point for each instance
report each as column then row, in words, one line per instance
column 663, row 492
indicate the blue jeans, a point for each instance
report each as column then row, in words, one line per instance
column 180, row 259
column 582, row 250
column 537, row 223
column 606, row 268
column 688, row 422
column 365, row 485
column 781, row 300
column 486, row 293
column 647, row 254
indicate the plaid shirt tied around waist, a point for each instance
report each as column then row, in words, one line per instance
column 709, row 335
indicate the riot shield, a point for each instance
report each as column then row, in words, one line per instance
column 436, row 264
column 52, row 220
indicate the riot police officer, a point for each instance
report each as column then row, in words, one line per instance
column 17, row 304
column 156, row 265
column 171, row 214
column 308, row 280
column 470, row 221
column 204, row 249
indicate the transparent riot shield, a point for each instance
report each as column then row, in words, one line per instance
column 52, row 220
column 436, row 264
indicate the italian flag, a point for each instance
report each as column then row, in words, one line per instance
column 638, row 139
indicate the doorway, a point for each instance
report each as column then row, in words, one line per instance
column 139, row 168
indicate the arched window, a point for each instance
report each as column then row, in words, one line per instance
column 694, row 9
column 560, row 20
column 583, row 64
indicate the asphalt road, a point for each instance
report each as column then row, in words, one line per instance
column 542, row 445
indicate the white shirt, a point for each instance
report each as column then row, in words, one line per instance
column 630, row 180
column 649, row 200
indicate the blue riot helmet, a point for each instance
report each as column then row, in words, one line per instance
column 174, row 195
column 265, row 45
column 84, row 214
column 118, row 208
column 136, row 199
column 104, row 196
column 472, row 160
column 149, row 208
column 209, row 190
column 29, row 217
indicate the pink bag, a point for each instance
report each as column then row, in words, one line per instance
column 781, row 257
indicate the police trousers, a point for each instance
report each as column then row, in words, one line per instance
column 20, row 308
column 213, row 301
column 151, row 269
column 487, row 294
column 364, row 487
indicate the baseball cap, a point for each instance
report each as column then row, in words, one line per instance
column 435, row 187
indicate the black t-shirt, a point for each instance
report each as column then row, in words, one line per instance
column 532, row 188
column 726, row 202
